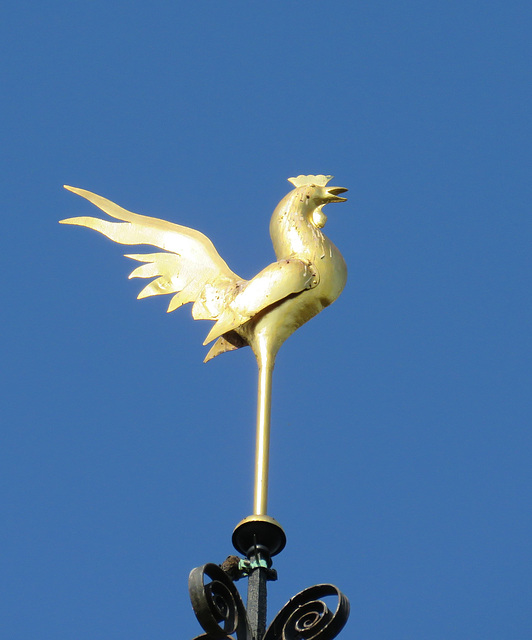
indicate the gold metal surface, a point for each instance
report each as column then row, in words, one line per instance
column 263, row 312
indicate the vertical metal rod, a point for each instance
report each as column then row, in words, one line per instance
column 257, row 599
column 262, row 452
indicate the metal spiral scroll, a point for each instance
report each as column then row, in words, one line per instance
column 217, row 604
column 306, row 617
column 221, row 612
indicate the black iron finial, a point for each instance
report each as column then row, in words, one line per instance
column 219, row 608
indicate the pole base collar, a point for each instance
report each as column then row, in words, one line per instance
column 259, row 531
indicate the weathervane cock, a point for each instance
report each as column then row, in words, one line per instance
column 263, row 312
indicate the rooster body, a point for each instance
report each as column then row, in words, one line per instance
column 309, row 274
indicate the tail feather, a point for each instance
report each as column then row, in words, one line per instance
column 188, row 265
column 228, row 342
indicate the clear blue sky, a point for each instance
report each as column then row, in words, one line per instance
column 401, row 444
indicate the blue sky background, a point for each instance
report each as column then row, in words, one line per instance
column 401, row 444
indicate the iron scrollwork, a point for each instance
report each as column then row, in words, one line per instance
column 307, row 617
column 217, row 604
column 221, row 612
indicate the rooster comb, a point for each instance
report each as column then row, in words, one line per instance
column 303, row 181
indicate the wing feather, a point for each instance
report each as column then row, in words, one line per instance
column 189, row 261
column 159, row 232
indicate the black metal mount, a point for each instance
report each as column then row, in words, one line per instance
column 219, row 607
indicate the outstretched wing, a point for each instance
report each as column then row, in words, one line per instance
column 189, row 267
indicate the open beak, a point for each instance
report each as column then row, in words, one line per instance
column 334, row 193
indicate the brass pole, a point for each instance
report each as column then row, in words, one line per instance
column 262, row 451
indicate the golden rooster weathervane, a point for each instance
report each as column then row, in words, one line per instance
column 263, row 312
